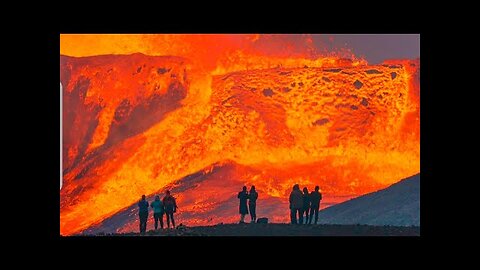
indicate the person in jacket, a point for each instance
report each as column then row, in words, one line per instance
column 243, row 210
column 306, row 205
column 143, row 214
column 315, row 198
column 296, row 204
column 158, row 211
column 170, row 206
column 252, row 204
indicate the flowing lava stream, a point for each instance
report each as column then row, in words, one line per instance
column 204, row 115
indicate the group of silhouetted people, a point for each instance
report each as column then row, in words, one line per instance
column 167, row 205
column 250, row 196
column 304, row 204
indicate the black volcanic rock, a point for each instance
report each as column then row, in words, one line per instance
column 267, row 92
column 276, row 229
column 358, row 84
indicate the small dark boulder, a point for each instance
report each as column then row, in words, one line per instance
column 321, row 122
column 162, row 70
column 373, row 71
column 358, row 84
column 267, row 92
column 364, row 102
column 262, row 220
column 334, row 70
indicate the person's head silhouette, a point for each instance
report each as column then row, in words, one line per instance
column 305, row 190
column 157, row 198
column 143, row 197
column 296, row 187
column 252, row 188
column 317, row 188
column 168, row 192
column 244, row 188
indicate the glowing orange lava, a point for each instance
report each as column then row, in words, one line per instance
column 145, row 112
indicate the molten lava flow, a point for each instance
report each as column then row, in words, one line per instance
column 205, row 126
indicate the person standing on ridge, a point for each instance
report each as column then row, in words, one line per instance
column 243, row 210
column 143, row 214
column 296, row 204
column 315, row 198
column 306, row 204
column 252, row 204
column 170, row 205
column 158, row 211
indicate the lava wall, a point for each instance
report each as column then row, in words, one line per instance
column 137, row 124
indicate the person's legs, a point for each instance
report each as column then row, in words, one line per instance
column 242, row 218
column 161, row 220
column 310, row 216
column 253, row 212
column 300, row 216
column 173, row 220
column 155, row 218
column 316, row 214
column 293, row 216
column 307, row 214
column 168, row 219
column 143, row 222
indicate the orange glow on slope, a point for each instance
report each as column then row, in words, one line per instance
column 134, row 124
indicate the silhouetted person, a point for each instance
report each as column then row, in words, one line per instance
column 252, row 204
column 306, row 204
column 296, row 204
column 315, row 198
column 158, row 211
column 170, row 206
column 243, row 210
column 143, row 214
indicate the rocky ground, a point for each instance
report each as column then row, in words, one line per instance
column 281, row 230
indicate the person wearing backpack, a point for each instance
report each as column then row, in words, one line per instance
column 252, row 204
column 315, row 198
column 143, row 214
column 170, row 206
column 158, row 211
